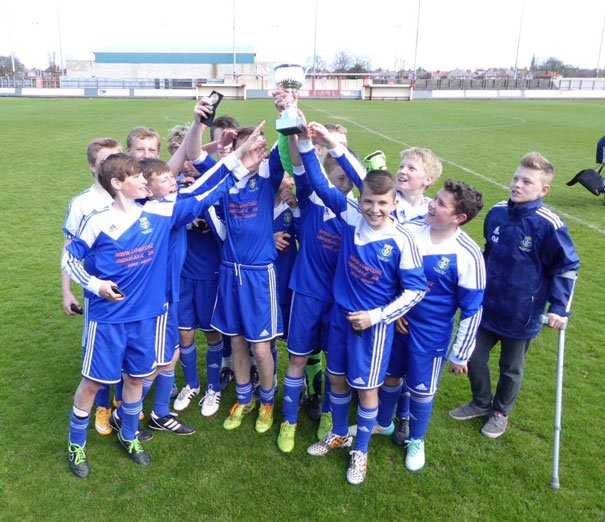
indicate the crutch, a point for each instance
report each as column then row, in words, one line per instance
column 554, row 481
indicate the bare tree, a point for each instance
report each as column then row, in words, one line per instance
column 342, row 62
column 320, row 65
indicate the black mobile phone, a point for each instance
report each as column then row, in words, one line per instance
column 116, row 290
column 216, row 98
column 76, row 309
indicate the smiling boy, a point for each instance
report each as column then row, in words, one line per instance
column 455, row 271
column 379, row 278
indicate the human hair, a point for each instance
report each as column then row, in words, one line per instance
column 336, row 127
column 243, row 133
column 153, row 167
column 379, row 182
column 119, row 166
column 328, row 162
column 467, row 200
column 96, row 145
column 142, row 133
column 536, row 161
column 176, row 136
column 428, row 159
column 223, row 122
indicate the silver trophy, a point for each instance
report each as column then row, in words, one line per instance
column 290, row 77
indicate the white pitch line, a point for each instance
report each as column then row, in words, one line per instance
column 464, row 169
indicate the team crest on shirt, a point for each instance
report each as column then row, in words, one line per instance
column 442, row 265
column 287, row 218
column 526, row 244
column 385, row 252
column 145, row 225
column 253, row 184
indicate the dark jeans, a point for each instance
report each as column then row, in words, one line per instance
column 512, row 360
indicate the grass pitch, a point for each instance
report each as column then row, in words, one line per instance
column 220, row 475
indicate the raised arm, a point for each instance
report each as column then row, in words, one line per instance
column 330, row 195
column 351, row 166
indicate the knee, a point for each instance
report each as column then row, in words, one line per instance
column 297, row 363
column 89, row 388
column 213, row 337
column 338, row 383
column 392, row 381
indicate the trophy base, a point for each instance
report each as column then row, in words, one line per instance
column 287, row 125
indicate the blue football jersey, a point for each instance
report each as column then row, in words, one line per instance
column 406, row 213
column 455, row 272
column 378, row 270
column 248, row 212
column 132, row 251
column 287, row 220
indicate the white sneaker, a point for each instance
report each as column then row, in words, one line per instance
column 414, row 456
column 358, row 467
column 210, row 403
column 184, row 397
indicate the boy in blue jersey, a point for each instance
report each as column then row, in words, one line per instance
column 286, row 224
column 314, row 406
column 199, row 281
column 311, row 280
column 379, row 279
column 162, row 187
column 455, row 272
column 80, row 207
column 530, row 261
column 419, row 169
column 127, row 317
column 247, row 307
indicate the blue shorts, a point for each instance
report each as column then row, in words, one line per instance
column 285, row 315
column 421, row 372
column 309, row 325
column 247, row 302
column 164, row 355
column 131, row 348
column 363, row 358
column 196, row 302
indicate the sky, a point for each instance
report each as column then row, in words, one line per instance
column 433, row 34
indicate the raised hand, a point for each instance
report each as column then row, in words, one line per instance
column 320, row 135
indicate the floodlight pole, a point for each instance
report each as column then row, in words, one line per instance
column 416, row 45
column 315, row 43
column 600, row 47
column 234, row 52
column 519, row 38
column 10, row 39
column 60, row 40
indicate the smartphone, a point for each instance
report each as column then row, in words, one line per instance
column 216, row 98
column 76, row 309
column 116, row 290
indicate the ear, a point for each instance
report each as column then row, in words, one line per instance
column 428, row 181
column 545, row 190
column 116, row 184
column 460, row 219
